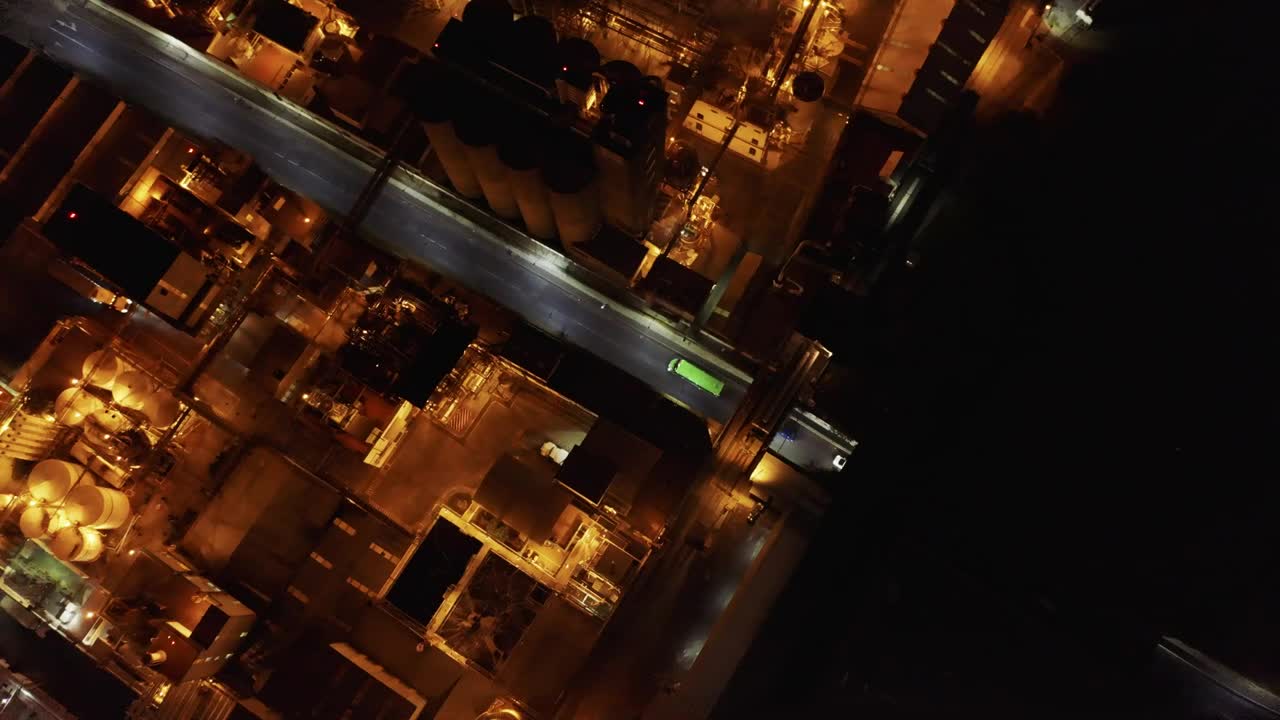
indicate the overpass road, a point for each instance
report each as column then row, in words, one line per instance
column 411, row 217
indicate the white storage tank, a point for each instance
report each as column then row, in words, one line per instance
column 51, row 480
column 74, row 404
column 35, row 522
column 101, row 368
column 807, row 88
column 131, row 389
column 161, row 408
column 111, row 419
column 97, row 507
column 76, row 544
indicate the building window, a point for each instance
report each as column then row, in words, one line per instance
column 751, row 151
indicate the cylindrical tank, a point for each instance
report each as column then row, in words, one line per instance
column 530, row 51
column 807, row 88
column 621, row 72
column 131, row 389
column 97, row 507
column 161, row 408
column 76, row 544
column 522, row 153
column 101, row 368
column 51, row 480
column 570, row 173
column 35, row 521
column 579, row 62
column 478, row 129
column 111, row 420
column 488, row 15
column 437, row 120
column 74, row 404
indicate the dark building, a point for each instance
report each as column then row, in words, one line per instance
column 282, row 22
column 350, row 686
column 964, row 37
column 148, row 268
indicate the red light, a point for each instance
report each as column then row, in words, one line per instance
column 190, row 150
column 435, row 45
column 640, row 101
column 71, row 215
column 564, row 69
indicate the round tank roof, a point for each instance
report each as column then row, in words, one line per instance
column 488, row 14
column 535, row 33
column 74, row 404
column 577, row 55
column 35, row 522
column 131, row 389
column 95, row 506
column 808, row 86
column 76, row 544
column 621, row 72
column 530, row 50
column 101, row 368
column 51, row 480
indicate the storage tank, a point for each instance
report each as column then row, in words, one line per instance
column 161, row 408
column 569, row 172
column 530, row 51
column 101, row 368
column 521, row 152
column 111, row 420
column 97, row 507
column 75, row 404
column 437, row 120
column 35, row 522
column 621, row 73
column 579, row 62
column 478, row 129
column 131, row 389
column 807, row 88
column 51, row 480
column 76, row 544
column 488, row 15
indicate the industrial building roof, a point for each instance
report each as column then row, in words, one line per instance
column 284, row 23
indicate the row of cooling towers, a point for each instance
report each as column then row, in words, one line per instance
column 520, row 157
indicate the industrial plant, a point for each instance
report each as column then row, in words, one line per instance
column 472, row 359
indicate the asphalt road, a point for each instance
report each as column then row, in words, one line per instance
column 411, row 217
